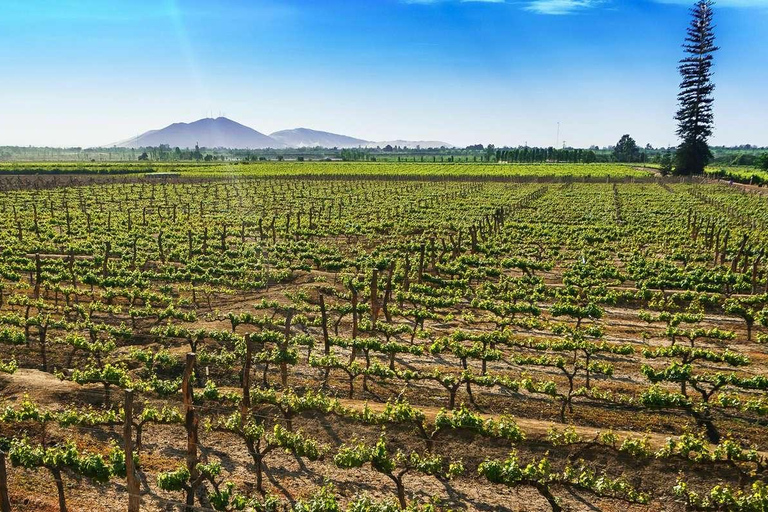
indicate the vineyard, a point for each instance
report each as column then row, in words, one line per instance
column 342, row 339
column 746, row 175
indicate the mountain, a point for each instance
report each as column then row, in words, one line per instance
column 306, row 138
column 411, row 144
column 225, row 133
column 210, row 133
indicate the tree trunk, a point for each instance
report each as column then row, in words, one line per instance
column 401, row 493
column 256, row 455
column 544, row 491
column 259, row 477
column 60, row 489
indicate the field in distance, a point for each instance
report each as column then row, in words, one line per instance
column 294, row 168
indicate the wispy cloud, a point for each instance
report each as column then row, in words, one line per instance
column 560, row 7
column 429, row 2
column 721, row 3
column 540, row 6
column 563, row 7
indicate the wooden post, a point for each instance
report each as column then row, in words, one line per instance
column 38, row 274
column 160, row 250
column 5, row 502
column 324, row 317
column 105, row 264
column 134, row 499
column 245, row 405
column 421, row 261
column 388, row 293
column 354, row 310
column 724, row 248
column 191, row 425
column 742, row 245
column 71, row 264
column 374, row 296
column 286, row 341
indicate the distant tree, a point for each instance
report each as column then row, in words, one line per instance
column 490, row 152
column 626, row 150
column 208, row 157
column 589, row 157
column 694, row 115
column 665, row 164
column 388, row 148
column 197, row 155
column 762, row 161
column 744, row 159
column 144, row 156
column 352, row 155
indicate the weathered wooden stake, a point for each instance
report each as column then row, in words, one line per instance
column 134, row 498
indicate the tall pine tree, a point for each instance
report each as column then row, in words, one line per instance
column 694, row 116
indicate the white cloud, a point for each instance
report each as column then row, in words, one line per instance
column 558, row 7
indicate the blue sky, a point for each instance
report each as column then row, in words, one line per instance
column 91, row 72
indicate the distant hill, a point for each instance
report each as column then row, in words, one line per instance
column 225, row 133
column 210, row 133
column 306, row 138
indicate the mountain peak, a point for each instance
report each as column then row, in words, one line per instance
column 208, row 132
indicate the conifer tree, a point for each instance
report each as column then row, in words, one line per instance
column 694, row 115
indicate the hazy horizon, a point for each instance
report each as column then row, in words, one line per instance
column 504, row 72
